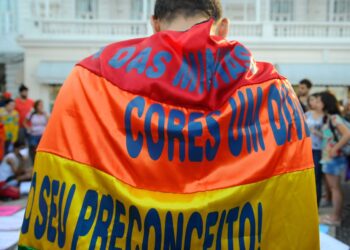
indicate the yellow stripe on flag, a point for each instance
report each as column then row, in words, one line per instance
column 74, row 206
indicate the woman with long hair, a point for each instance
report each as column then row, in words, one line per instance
column 35, row 123
column 335, row 136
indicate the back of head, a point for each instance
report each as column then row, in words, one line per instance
column 168, row 10
column 330, row 103
column 19, row 144
column 8, row 101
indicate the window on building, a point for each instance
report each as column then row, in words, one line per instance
column 282, row 10
column 340, row 10
column 137, row 9
column 8, row 15
column 86, row 9
column 54, row 89
column 239, row 10
column 46, row 8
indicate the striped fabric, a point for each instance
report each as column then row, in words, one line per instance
column 176, row 141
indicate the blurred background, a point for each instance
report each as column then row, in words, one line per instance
column 41, row 40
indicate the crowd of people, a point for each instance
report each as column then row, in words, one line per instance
column 22, row 123
column 330, row 134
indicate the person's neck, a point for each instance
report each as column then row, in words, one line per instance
column 182, row 23
column 318, row 112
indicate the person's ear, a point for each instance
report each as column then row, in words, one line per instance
column 155, row 24
column 222, row 28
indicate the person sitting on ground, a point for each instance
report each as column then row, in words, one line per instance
column 13, row 168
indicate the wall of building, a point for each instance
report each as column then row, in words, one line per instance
column 301, row 50
column 37, row 54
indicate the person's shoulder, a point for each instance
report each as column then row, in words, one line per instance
column 337, row 119
column 10, row 156
column 309, row 113
column 93, row 62
column 259, row 71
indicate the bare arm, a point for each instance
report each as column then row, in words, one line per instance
column 26, row 123
column 15, row 170
column 345, row 136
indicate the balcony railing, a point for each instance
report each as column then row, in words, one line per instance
column 64, row 27
column 290, row 30
column 246, row 29
column 316, row 30
column 128, row 29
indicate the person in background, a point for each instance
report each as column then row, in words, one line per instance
column 333, row 161
column 13, row 168
column 314, row 119
column 9, row 118
column 304, row 88
column 5, row 96
column 346, row 113
column 35, row 124
column 23, row 106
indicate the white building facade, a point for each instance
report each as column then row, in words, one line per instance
column 303, row 38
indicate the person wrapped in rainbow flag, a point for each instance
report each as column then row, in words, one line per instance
column 180, row 140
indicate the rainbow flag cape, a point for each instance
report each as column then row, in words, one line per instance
column 176, row 141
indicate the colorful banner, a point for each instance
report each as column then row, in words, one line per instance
column 150, row 162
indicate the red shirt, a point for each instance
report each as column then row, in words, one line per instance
column 23, row 107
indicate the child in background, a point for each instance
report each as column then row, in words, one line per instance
column 9, row 118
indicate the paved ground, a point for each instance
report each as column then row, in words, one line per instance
column 342, row 233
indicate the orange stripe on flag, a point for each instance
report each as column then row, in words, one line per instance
column 91, row 116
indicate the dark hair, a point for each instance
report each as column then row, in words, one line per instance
column 330, row 105
column 22, row 88
column 169, row 9
column 35, row 107
column 36, row 104
column 19, row 144
column 7, row 101
column 306, row 82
